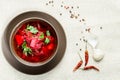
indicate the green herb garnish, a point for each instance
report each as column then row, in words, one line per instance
column 32, row 29
column 47, row 40
column 26, row 50
column 41, row 36
column 48, row 33
column 24, row 44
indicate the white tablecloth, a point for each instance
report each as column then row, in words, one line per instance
column 105, row 13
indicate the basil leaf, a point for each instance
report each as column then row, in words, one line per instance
column 48, row 33
column 47, row 40
column 41, row 36
column 32, row 29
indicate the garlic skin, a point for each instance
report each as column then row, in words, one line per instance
column 98, row 55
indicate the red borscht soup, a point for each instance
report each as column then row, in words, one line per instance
column 35, row 41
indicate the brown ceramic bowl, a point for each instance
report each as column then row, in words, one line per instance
column 15, row 30
column 25, row 66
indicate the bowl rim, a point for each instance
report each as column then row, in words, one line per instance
column 16, row 28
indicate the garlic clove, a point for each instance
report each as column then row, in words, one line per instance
column 92, row 42
column 98, row 55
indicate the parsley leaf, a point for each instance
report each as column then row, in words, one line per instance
column 24, row 44
column 48, row 33
column 47, row 40
column 32, row 29
column 26, row 50
column 41, row 36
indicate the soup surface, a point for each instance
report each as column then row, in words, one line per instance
column 35, row 41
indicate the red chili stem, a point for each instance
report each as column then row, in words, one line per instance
column 80, row 56
column 78, row 65
column 91, row 67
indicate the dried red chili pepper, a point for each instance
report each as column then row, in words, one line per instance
column 79, row 63
column 86, row 55
column 91, row 67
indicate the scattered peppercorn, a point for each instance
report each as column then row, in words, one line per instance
column 76, row 17
column 80, row 49
column 100, row 27
column 66, row 7
column 70, row 11
column 72, row 16
column 46, row 3
column 61, row 5
column 72, row 7
column 89, row 29
column 49, row 2
column 76, row 44
column 84, row 40
column 52, row 1
column 83, row 19
column 60, row 14
column 86, row 29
